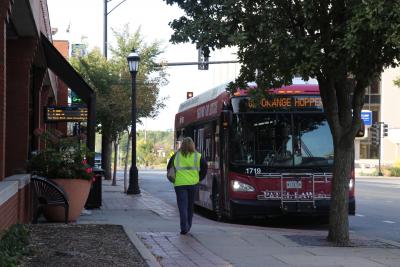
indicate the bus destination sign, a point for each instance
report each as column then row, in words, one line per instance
column 65, row 114
column 278, row 103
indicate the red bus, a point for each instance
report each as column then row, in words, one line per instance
column 268, row 158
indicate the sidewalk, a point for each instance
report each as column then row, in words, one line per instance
column 153, row 227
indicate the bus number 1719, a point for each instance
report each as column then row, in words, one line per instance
column 253, row 170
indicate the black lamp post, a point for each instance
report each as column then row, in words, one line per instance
column 133, row 62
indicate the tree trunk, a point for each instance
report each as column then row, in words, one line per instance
column 126, row 162
column 114, row 180
column 338, row 217
column 106, row 149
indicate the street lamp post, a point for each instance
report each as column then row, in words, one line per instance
column 133, row 62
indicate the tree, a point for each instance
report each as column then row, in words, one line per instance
column 343, row 44
column 397, row 82
column 112, row 82
column 101, row 76
column 146, row 154
column 150, row 78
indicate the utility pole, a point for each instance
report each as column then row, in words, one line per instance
column 105, row 29
column 105, row 26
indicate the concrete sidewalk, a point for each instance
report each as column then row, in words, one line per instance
column 153, row 227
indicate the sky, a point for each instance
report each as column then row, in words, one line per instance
column 84, row 19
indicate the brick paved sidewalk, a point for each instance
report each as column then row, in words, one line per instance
column 153, row 226
column 173, row 249
column 169, row 248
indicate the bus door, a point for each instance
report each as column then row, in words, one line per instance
column 224, row 159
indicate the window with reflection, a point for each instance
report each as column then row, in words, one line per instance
column 282, row 140
column 313, row 145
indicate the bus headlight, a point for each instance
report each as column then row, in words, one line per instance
column 241, row 187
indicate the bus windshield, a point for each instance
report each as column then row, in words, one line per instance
column 281, row 139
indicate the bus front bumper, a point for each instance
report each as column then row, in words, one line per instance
column 249, row 208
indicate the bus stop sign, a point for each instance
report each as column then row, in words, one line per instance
column 366, row 116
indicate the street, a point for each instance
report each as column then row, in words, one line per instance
column 377, row 208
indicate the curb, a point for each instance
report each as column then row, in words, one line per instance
column 390, row 242
column 145, row 252
column 376, row 177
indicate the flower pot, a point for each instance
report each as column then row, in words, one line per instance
column 77, row 191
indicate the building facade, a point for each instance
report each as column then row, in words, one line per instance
column 33, row 74
column 381, row 99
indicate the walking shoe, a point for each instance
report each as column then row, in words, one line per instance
column 184, row 232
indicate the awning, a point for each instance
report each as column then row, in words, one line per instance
column 61, row 67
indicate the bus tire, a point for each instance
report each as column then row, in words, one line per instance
column 323, row 219
column 216, row 202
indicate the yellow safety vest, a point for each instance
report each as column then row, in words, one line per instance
column 187, row 169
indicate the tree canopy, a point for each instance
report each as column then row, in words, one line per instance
column 344, row 44
column 112, row 82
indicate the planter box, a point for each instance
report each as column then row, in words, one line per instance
column 77, row 191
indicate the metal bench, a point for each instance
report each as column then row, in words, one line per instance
column 48, row 193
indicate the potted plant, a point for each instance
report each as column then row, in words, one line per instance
column 64, row 160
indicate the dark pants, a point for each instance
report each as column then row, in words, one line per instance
column 185, row 198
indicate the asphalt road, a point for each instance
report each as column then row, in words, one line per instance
column 377, row 210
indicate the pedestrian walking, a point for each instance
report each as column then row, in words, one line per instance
column 190, row 168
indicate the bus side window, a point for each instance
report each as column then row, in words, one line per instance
column 200, row 141
column 179, row 138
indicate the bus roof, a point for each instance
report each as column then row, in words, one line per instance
column 210, row 103
column 203, row 97
column 289, row 89
column 299, row 86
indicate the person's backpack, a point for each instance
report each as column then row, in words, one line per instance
column 171, row 174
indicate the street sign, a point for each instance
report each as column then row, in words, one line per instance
column 366, row 116
column 75, row 99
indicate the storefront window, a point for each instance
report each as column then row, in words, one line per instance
column 374, row 89
column 368, row 151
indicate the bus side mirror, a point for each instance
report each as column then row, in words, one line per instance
column 226, row 118
column 361, row 130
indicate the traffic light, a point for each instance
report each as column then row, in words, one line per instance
column 189, row 95
column 203, row 56
column 385, row 131
column 375, row 136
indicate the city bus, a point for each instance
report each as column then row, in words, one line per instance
column 266, row 157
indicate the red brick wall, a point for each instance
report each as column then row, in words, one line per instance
column 62, row 90
column 9, row 212
column 5, row 7
column 62, row 100
column 25, row 204
column 37, row 108
column 20, row 54
column 63, row 47
column 2, row 95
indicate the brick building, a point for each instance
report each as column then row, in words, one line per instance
column 33, row 74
